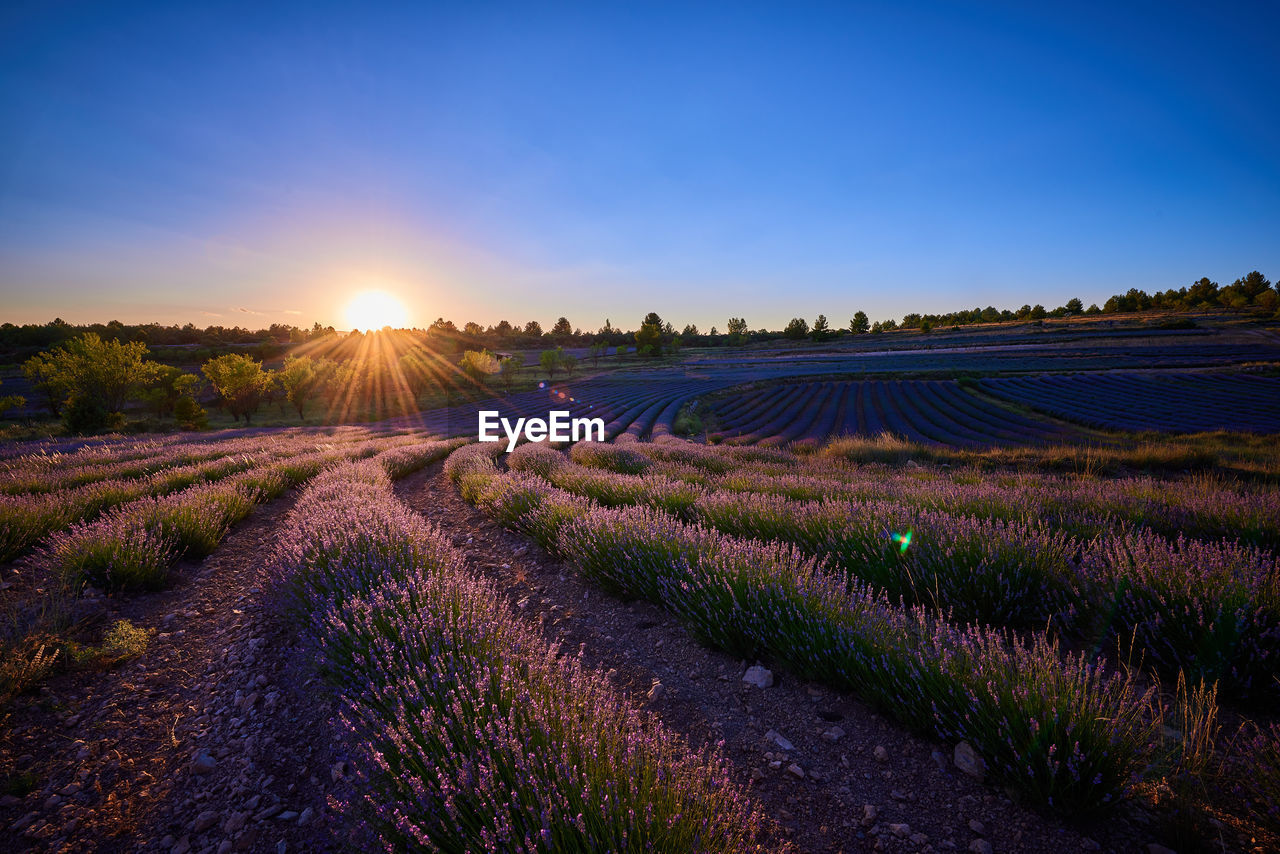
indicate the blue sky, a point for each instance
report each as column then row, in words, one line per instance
column 259, row 163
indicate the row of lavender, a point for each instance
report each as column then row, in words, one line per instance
column 468, row 731
column 78, row 487
column 927, row 411
column 134, row 544
column 1058, row 727
column 1209, row 609
column 1201, row 508
column 44, row 471
column 1178, row 402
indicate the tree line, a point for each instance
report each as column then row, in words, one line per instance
column 1252, row 292
column 88, row 382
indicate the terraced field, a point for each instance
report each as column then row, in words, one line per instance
column 1171, row 402
column 932, row 412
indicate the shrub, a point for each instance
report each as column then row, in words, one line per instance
column 189, row 414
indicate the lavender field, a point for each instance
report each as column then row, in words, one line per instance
column 1059, row 587
column 689, row 428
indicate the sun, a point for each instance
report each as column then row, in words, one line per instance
column 374, row 310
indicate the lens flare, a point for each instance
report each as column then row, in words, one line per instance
column 903, row 541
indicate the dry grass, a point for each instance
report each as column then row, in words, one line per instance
column 1243, row 455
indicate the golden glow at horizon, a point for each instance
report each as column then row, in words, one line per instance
column 374, row 309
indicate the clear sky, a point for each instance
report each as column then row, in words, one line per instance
column 254, row 163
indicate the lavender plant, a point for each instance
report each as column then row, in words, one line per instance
column 470, row 732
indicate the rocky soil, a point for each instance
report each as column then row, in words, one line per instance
column 206, row 743
column 837, row 775
column 217, row 738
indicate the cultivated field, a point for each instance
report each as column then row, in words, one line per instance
column 1013, row 593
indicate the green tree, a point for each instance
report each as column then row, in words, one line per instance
column 562, row 329
column 478, row 365
column 649, row 336
column 42, row 371
column 190, row 414
column 509, row 370
column 1202, row 293
column 1074, row 305
column 736, row 330
column 797, row 328
column 859, row 324
column 301, row 382
column 162, row 393
column 240, row 383
column 597, row 350
column 343, row 384
column 569, row 362
column 11, row 401
column 533, row 328
column 550, row 361
column 1252, row 284
column 99, row 377
column 821, row 329
column 1037, row 313
column 422, row 371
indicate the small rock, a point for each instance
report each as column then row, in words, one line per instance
column 980, row 846
column 869, row 813
column 758, row 676
column 204, row 821
column 880, row 754
column 203, row 763
column 902, row 831
column 969, row 762
column 224, row 847
column 919, row 838
column 776, row 738
column 655, row 691
column 833, row 734
column 1088, row 844
column 1157, row 848
column 182, row 846
column 235, row 822
column 977, row 827
column 306, row 818
column 795, row 771
column 287, row 815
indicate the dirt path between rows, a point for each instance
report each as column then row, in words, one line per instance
column 207, row 742
column 217, row 738
column 835, row 774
